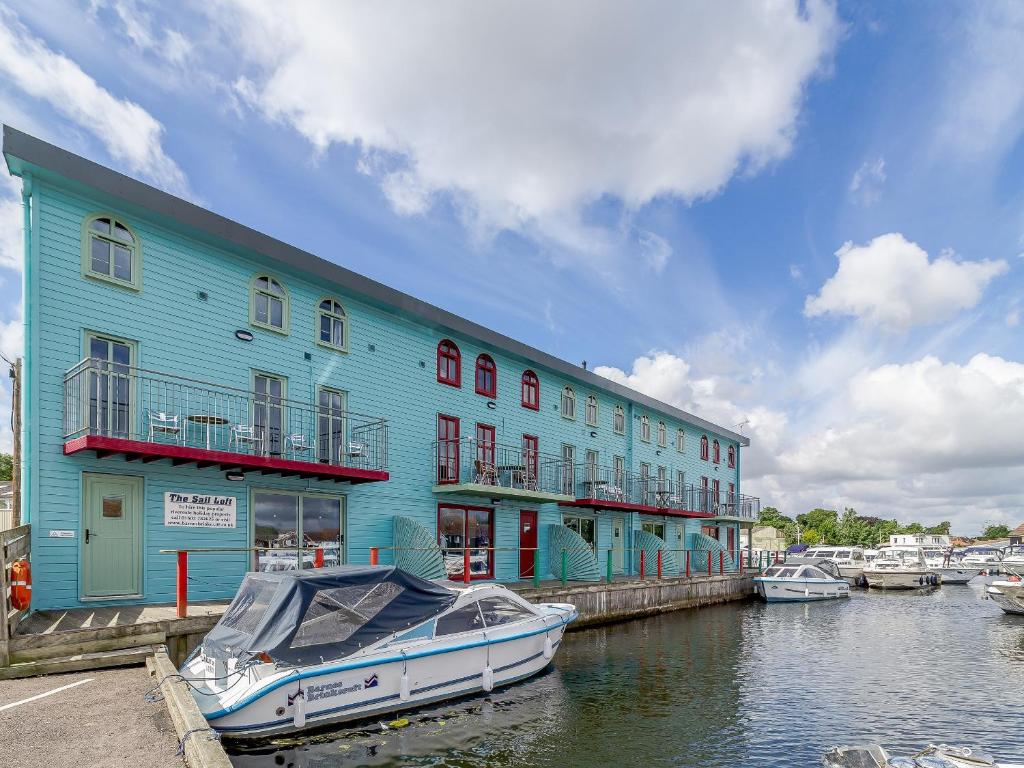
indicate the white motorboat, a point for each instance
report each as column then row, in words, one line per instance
column 796, row 582
column 1008, row 594
column 983, row 557
column 850, row 560
column 900, row 567
column 305, row 648
column 1013, row 558
column 952, row 571
column 932, row 756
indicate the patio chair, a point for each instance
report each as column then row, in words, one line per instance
column 246, row 435
column 355, row 453
column 297, row 443
column 164, row 424
column 486, row 473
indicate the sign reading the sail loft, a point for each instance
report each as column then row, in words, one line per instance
column 198, row 510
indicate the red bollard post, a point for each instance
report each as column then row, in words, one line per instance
column 182, row 602
column 721, row 562
column 374, row 555
column 659, row 565
column 465, row 566
column 642, row 564
column 318, row 557
column 687, row 563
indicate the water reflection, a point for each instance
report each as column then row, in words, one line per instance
column 727, row 686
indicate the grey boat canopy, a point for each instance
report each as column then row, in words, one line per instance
column 317, row 615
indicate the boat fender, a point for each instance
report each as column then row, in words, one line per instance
column 21, row 584
column 488, row 679
column 549, row 651
column 403, row 687
column 299, row 709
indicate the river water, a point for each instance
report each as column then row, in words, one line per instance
column 734, row 685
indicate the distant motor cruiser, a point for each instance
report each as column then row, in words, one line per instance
column 850, row 560
column 952, row 570
column 900, row 567
column 984, row 557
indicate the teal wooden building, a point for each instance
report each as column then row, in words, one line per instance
column 190, row 383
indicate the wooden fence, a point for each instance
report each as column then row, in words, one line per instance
column 15, row 544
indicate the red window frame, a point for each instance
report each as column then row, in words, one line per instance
column 731, row 456
column 466, row 508
column 448, row 357
column 530, row 451
column 716, row 489
column 485, row 443
column 716, row 452
column 447, row 450
column 486, row 369
column 732, row 493
column 704, row 447
column 530, row 391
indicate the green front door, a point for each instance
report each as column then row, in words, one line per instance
column 111, row 535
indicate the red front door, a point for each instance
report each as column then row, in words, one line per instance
column 527, row 542
column 731, row 534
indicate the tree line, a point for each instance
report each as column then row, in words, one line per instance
column 827, row 526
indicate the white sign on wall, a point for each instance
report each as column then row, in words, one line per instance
column 199, row 510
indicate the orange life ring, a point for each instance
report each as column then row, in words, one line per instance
column 21, row 584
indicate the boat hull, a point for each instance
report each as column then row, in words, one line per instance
column 773, row 590
column 957, row 576
column 390, row 681
column 898, row 579
column 1009, row 597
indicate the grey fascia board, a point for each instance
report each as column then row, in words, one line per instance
column 61, row 162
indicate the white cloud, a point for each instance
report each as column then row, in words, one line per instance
column 11, row 220
column 867, row 181
column 890, row 282
column 656, row 250
column 795, row 272
column 12, row 340
column 525, row 113
column 1013, row 318
column 139, row 27
column 130, row 134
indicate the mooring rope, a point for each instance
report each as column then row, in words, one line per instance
column 214, row 736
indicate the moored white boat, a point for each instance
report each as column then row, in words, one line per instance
column 983, row 557
column 1007, row 594
column 849, row 560
column 952, row 570
column 306, row 648
column 900, row 567
column 796, row 582
column 932, row 756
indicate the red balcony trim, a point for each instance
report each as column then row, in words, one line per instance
column 628, row 507
column 179, row 454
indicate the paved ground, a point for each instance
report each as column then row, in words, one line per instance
column 105, row 722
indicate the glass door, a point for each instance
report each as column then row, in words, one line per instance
column 110, row 407
column 447, row 449
column 323, row 528
column 268, row 413
column 330, row 428
column 288, row 528
column 568, row 462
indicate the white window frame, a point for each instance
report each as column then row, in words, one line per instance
column 662, row 434
column 619, row 420
column 591, row 411
column 568, row 405
column 681, row 440
column 645, row 428
column 283, row 298
column 334, row 317
column 134, row 247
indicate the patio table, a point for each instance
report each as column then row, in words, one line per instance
column 205, row 419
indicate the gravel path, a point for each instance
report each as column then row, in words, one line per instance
column 104, row 722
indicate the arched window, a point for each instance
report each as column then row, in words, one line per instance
column 486, row 376
column 662, row 435
column 619, row 421
column 110, row 251
column 680, row 440
column 531, row 391
column 268, row 302
column 704, row 447
column 716, row 452
column 568, row 403
column 645, row 428
column 332, row 325
column 591, row 411
column 731, row 455
column 449, row 364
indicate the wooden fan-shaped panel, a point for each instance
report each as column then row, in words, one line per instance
column 649, row 543
column 581, row 561
column 704, row 543
column 417, row 550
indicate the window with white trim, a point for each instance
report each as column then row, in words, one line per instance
column 568, row 403
column 681, row 440
column 268, row 302
column 591, row 411
column 645, row 429
column 619, row 421
column 332, row 325
column 110, row 251
column 662, row 435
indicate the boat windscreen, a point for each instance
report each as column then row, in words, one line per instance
column 830, row 568
column 312, row 616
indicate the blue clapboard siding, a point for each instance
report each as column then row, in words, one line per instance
column 176, row 332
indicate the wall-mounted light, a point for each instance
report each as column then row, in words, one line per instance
column 243, row 335
column 495, row 502
column 491, row 404
column 234, row 476
column 203, row 295
column 593, row 433
column 657, row 453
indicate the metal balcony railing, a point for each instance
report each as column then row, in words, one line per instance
column 118, row 401
column 467, row 460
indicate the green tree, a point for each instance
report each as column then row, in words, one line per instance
column 824, row 522
column 995, row 532
column 942, row 529
column 911, row 528
column 6, row 466
column 771, row 516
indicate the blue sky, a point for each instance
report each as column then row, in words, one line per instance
column 805, row 221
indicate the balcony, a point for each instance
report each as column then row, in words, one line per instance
column 607, row 488
column 498, row 471
column 143, row 415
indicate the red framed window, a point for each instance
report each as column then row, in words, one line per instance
column 716, row 452
column 531, row 391
column 731, row 456
column 447, row 449
column 716, row 490
column 449, row 364
column 530, row 458
column 486, row 376
column 485, row 446
column 732, row 493
column 705, row 495
column 704, row 447
column 460, row 529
